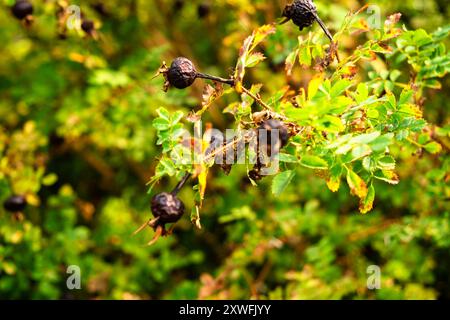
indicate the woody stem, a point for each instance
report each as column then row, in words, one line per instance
column 181, row 184
column 324, row 27
column 214, row 78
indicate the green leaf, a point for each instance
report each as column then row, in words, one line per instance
column 405, row 96
column 163, row 113
column 176, row 117
column 161, row 124
column 49, row 179
column 289, row 158
column 166, row 166
column 386, row 163
column 330, row 124
column 110, row 77
column 359, row 152
column 365, row 138
column 339, row 87
column 433, row 147
column 305, row 57
column 395, row 74
column 368, row 164
column 281, row 181
column 382, row 142
column 313, row 162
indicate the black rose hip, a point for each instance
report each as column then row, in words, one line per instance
column 178, row 5
column 303, row 13
column 255, row 174
column 273, row 134
column 22, row 9
column 203, row 10
column 167, row 208
column 88, row 26
column 15, row 203
column 182, row 73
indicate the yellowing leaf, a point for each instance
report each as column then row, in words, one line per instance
column 33, row 200
column 333, row 183
column 202, row 183
column 388, row 176
column 357, row 185
column 334, row 178
column 261, row 33
column 314, row 85
column 249, row 45
column 366, row 204
column 253, row 59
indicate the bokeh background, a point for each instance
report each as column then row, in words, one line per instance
column 76, row 137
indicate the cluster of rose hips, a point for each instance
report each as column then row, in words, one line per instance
column 23, row 10
column 167, row 207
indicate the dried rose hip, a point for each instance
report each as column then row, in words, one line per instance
column 301, row 12
column 22, row 9
column 182, row 73
column 178, row 5
column 88, row 26
column 255, row 174
column 15, row 204
column 265, row 131
column 168, row 208
column 203, row 10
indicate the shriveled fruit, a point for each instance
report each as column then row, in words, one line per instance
column 301, row 12
column 272, row 143
column 182, row 73
column 88, row 26
column 22, row 9
column 167, row 208
column 255, row 174
column 203, row 10
column 15, row 203
column 178, row 5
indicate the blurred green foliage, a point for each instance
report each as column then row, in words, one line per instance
column 77, row 138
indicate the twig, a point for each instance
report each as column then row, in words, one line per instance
column 324, row 27
column 230, row 82
column 181, row 184
column 256, row 98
